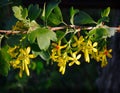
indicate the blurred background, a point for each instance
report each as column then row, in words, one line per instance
column 45, row 79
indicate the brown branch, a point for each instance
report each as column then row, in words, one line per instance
column 56, row 28
column 11, row 32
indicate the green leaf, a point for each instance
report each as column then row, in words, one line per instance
column 44, row 55
column 103, row 19
column 83, row 18
column 55, row 18
column 98, row 33
column 51, row 5
column 4, row 61
column 17, row 12
column 49, row 8
column 106, row 12
column 20, row 12
column 33, row 12
column 58, row 12
column 43, row 12
column 72, row 14
column 24, row 13
column 43, row 37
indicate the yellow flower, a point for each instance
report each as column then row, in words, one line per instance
column 13, row 51
column 58, row 47
column 74, row 59
column 22, row 61
column 89, row 49
column 62, row 61
column 86, row 54
column 53, row 55
column 62, row 64
column 78, row 42
column 104, row 54
column 92, row 46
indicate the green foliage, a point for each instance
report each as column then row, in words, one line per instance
column 48, row 9
column 83, row 18
column 33, row 12
column 105, row 12
column 72, row 14
column 98, row 33
column 4, row 61
column 49, row 40
column 43, row 36
column 20, row 12
column 105, row 15
column 55, row 17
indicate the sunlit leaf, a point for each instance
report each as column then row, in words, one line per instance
column 98, row 33
column 24, row 13
column 18, row 12
column 43, row 37
column 105, row 12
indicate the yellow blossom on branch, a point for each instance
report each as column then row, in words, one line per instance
column 74, row 59
column 58, row 47
column 78, row 42
column 22, row 61
column 103, row 56
column 89, row 49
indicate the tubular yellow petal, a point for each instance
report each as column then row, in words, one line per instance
column 23, row 65
column 20, row 73
column 77, row 62
column 87, row 56
column 94, row 49
column 27, row 70
column 32, row 56
column 78, row 57
column 28, row 50
column 71, row 63
column 95, row 44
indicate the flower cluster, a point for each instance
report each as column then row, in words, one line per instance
column 20, row 59
column 71, row 52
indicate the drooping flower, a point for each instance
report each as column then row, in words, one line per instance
column 58, row 47
column 13, row 51
column 62, row 62
column 88, row 49
column 78, row 42
column 74, row 59
column 104, row 54
column 22, row 61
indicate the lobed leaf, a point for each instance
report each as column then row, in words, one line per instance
column 43, row 37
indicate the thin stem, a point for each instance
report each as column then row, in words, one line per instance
column 78, row 28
